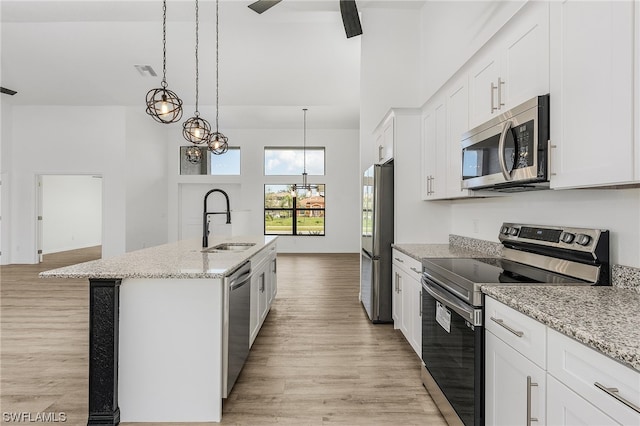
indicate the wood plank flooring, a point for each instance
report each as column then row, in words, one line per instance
column 316, row 361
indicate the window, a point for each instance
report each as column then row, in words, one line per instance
column 290, row 161
column 211, row 164
column 284, row 203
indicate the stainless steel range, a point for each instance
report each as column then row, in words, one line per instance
column 452, row 303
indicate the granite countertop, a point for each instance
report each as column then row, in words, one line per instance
column 604, row 318
column 420, row 251
column 182, row 259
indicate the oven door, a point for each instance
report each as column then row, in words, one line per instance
column 509, row 150
column 453, row 353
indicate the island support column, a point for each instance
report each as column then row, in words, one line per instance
column 104, row 306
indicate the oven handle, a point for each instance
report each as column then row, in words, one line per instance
column 501, row 157
column 474, row 316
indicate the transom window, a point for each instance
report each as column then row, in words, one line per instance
column 288, row 161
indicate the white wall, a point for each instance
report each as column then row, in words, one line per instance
column 66, row 140
column 71, row 212
column 246, row 192
column 146, row 180
column 389, row 67
column 6, row 118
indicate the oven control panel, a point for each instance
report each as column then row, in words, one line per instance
column 580, row 239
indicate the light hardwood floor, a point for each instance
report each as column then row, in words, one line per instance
column 316, row 361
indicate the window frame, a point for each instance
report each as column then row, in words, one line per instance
column 294, row 209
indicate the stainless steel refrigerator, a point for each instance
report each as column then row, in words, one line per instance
column 377, row 237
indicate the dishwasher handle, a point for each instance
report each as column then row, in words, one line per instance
column 239, row 277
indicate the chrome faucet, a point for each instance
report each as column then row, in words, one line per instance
column 205, row 215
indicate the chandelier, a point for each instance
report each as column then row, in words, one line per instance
column 163, row 105
column 305, row 184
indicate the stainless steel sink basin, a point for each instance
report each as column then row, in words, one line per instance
column 229, row 247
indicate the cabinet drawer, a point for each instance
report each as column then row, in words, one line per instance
column 579, row 367
column 519, row 331
column 408, row 263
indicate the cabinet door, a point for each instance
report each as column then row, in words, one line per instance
column 483, row 90
column 458, row 123
column 378, row 149
column 428, row 152
column 525, row 67
column 254, row 315
column 566, row 408
column 591, row 93
column 434, row 151
column 407, row 306
column 514, row 385
column 416, row 316
column 396, row 298
column 273, row 280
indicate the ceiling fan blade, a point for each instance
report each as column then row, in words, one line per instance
column 350, row 18
column 7, row 91
column 263, row 5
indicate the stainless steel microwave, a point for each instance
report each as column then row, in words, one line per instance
column 509, row 152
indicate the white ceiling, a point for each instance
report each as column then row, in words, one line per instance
column 271, row 65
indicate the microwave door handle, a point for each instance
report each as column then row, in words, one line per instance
column 501, row 157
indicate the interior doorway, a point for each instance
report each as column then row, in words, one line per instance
column 69, row 213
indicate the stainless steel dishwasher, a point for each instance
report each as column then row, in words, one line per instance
column 235, row 333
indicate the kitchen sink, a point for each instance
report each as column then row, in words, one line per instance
column 229, row 247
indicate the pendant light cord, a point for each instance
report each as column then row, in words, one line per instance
column 164, row 43
column 304, row 146
column 217, row 68
column 197, row 67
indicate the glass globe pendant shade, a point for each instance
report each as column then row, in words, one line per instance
column 163, row 105
column 193, row 155
column 196, row 130
column 218, row 143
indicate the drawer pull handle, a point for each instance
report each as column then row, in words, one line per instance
column 415, row 270
column 399, row 260
column 614, row 393
column 501, row 323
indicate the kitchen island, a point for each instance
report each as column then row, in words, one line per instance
column 156, row 327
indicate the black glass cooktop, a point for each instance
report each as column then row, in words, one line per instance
column 496, row 271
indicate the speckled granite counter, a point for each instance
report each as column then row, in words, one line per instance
column 420, row 251
column 604, row 318
column 182, row 259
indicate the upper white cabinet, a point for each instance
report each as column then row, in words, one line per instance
column 444, row 119
column 384, row 136
column 513, row 67
column 592, row 94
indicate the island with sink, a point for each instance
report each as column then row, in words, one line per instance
column 170, row 326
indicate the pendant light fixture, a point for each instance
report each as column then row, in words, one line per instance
column 305, row 183
column 163, row 105
column 218, row 143
column 193, row 154
column 195, row 129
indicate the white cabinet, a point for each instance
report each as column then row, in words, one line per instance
column 384, row 137
column 434, row 149
column 407, row 299
column 596, row 378
column 567, row 408
column 263, row 288
column 444, row 119
column 531, row 368
column 514, row 366
column 592, row 94
column 513, row 67
column 514, row 386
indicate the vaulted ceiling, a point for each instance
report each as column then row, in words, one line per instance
column 83, row 53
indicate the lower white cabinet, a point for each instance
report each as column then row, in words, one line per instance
column 263, row 288
column 567, row 408
column 407, row 299
column 576, row 385
column 514, row 386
